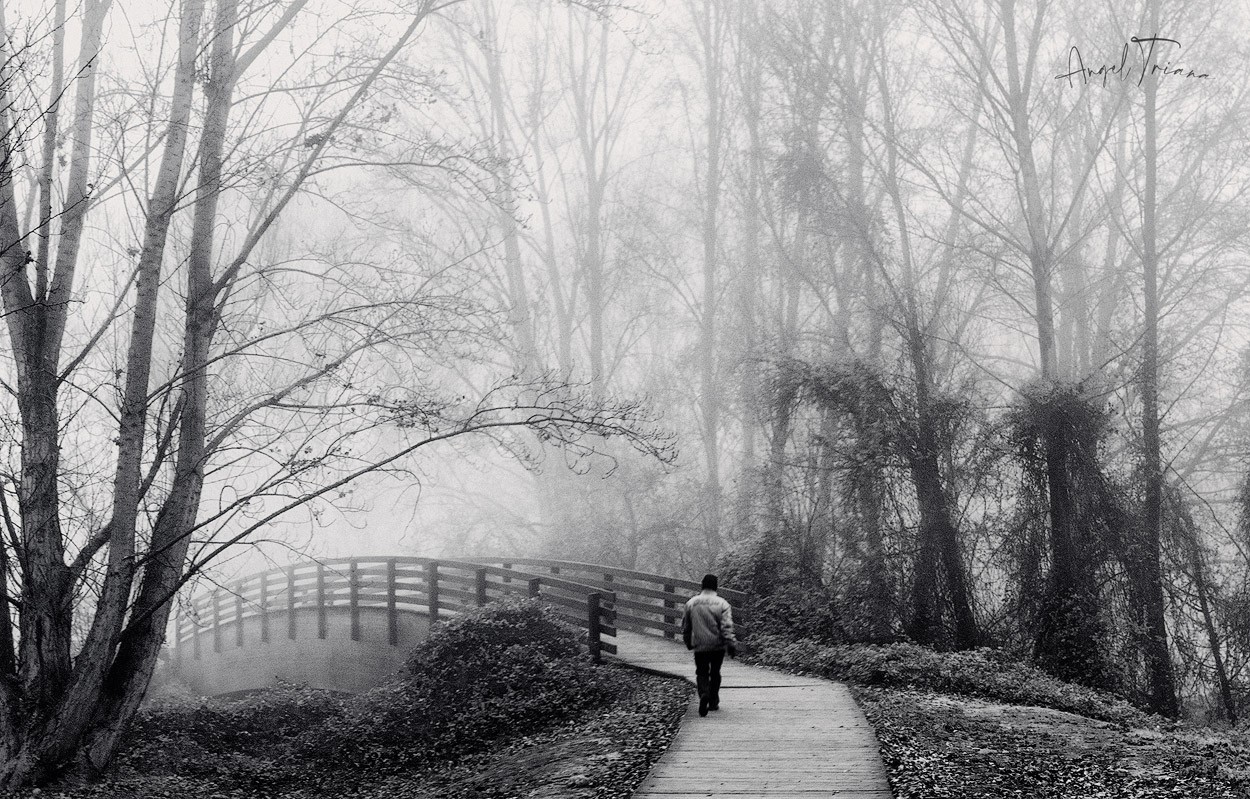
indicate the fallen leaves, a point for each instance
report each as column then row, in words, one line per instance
column 936, row 748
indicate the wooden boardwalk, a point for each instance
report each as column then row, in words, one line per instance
column 776, row 736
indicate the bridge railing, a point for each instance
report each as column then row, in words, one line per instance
column 395, row 585
column 645, row 602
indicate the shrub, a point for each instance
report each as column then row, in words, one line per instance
column 984, row 673
column 505, row 669
column 501, row 671
column 466, row 648
column 784, row 601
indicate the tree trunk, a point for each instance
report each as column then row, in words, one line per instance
column 1157, row 654
column 1068, row 641
column 137, row 653
column 61, row 712
column 595, row 156
column 1069, row 636
column 31, row 738
column 1213, row 637
column 520, row 318
column 938, row 548
column 749, row 269
column 711, row 24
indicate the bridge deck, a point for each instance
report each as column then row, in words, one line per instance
column 776, row 736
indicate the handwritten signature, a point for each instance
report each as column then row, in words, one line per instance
column 1124, row 70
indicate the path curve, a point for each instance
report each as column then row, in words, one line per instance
column 776, row 736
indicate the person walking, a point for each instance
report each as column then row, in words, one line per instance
column 707, row 627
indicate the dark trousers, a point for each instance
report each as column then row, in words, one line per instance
column 707, row 675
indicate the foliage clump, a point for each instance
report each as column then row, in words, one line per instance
column 781, row 601
column 508, row 667
column 1058, row 429
column 499, row 672
column 984, row 673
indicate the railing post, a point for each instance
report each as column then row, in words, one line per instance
column 290, row 602
column 507, row 578
column 535, row 586
column 668, row 605
column 392, row 615
column 264, row 607
column 321, row 600
column 431, row 588
column 195, row 635
column 353, row 597
column 217, row 621
column 480, row 580
column 238, row 614
column 592, row 633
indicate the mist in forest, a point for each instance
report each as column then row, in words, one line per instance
column 927, row 322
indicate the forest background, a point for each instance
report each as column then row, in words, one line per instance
column 916, row 321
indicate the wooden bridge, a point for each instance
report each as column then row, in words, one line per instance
column 347, row 624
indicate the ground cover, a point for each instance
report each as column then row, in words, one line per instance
column 499, row 703
column 937, row 746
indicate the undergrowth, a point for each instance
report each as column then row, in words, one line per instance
column 499, row 672
column 983, row 673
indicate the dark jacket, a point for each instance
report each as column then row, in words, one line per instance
column 707, row 623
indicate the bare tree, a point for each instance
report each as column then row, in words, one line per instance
column 249, row 371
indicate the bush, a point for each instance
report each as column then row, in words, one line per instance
column 498, row 672
column 503, row 670
column 983, row 673
column 783, row 601
column 465, row 649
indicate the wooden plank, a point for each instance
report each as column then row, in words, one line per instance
column 238, row 617
column 563, row 601
column 431, row 589
column 574, row 568
column 392, row 615
column 290, row 602
column 264, row 608
column 669, row 628
column 479, row 586
column 418, row 588
column 668, row 606
column 322, row 623
column 465, row 597
column 216, row 621
column 593, row 636
column 353, row 601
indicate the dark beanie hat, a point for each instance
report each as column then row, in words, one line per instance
column 709, row 582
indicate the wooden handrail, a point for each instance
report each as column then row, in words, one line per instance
column 585, row 593
column 374, row 582
column 637, row 607
column 734, row 597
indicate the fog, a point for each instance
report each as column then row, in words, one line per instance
column 935, row 309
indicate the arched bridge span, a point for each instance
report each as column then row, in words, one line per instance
column 346, row 624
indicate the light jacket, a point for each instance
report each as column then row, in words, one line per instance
column 707, row 623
